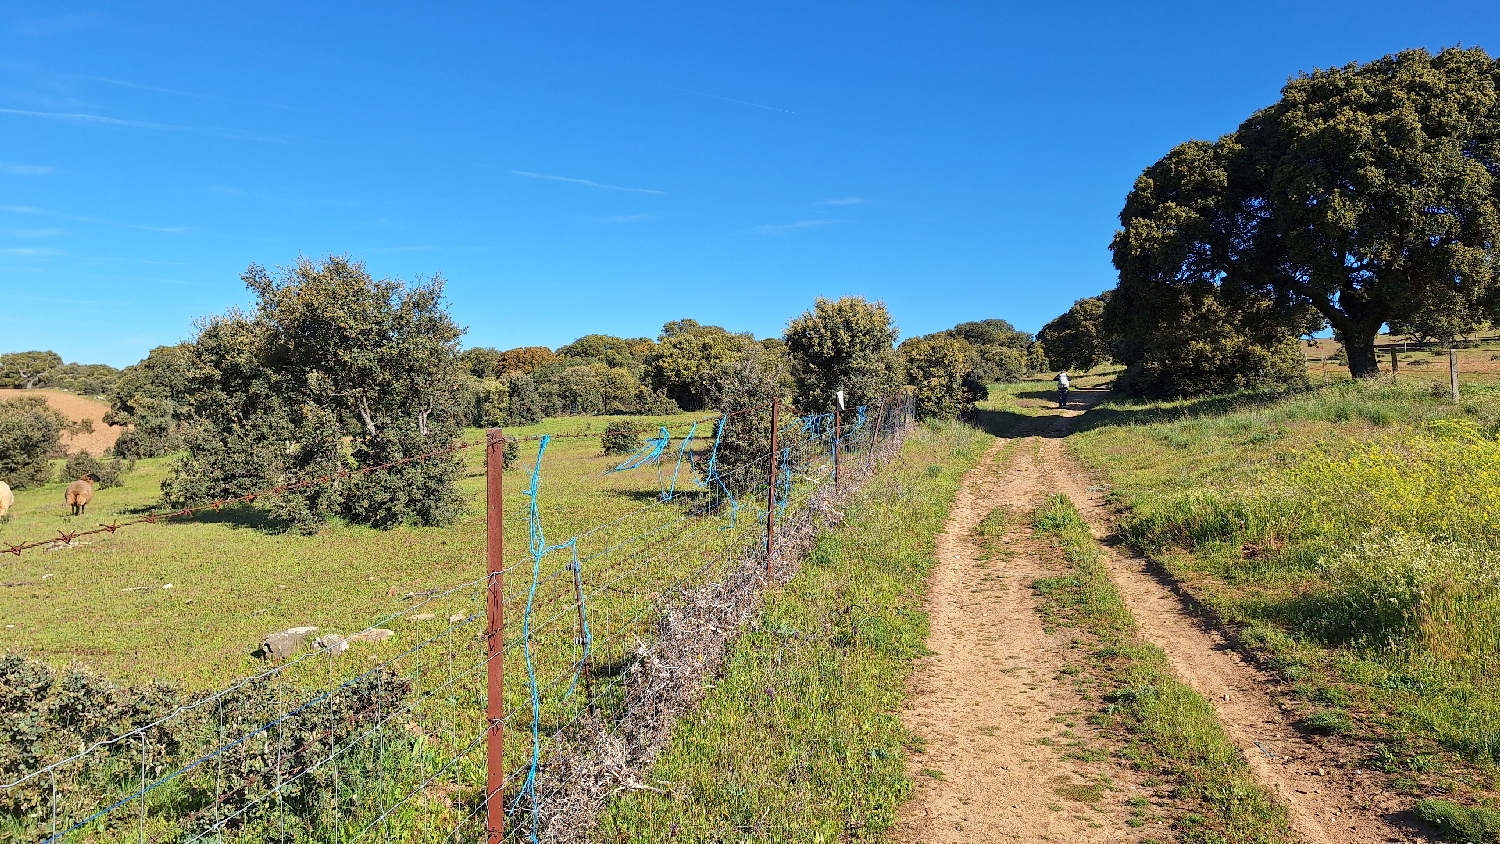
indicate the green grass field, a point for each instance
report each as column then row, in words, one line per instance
column 235, row 579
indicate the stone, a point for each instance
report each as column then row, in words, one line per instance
column 421, row 616
column 374, row 636
column 332, row 642
column 278, row 646
column 454, row 619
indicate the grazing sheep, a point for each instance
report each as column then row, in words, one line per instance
column 7, row 499
column 80, row 493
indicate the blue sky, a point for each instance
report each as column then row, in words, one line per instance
column 573, row 168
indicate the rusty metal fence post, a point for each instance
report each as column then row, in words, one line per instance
column 771, row 486
column 494, row 797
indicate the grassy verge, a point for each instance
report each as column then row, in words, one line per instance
column 799, row 739
column 1349, row 535
column 1168, row 730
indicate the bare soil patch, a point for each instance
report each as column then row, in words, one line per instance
column 75, row 408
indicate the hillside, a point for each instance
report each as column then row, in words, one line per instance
column 76, row 407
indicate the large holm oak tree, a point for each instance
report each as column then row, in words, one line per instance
column 1368, row 193
column 332, row 370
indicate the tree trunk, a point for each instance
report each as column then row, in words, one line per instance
column 1359, row 347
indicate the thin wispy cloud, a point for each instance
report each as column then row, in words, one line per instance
column 22, row 252
column 732, row 100
column 82, row 117
column 26, row 209
column 191, row 94
column 792, row 227
column 25, row 169
column 852, row 200
column 35, row 232
column 591, row 183
column 100, row 120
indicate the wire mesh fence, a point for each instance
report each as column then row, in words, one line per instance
column 437, row 722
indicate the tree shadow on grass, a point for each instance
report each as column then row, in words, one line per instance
column 239, row 516
column 1124, row 410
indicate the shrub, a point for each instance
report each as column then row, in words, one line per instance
column 491, row 403
column 47, row 713
column 109, row 472
column 941, row 376
column 30, row 435
column 844, row 344
column 621, row 437
column 744, row 388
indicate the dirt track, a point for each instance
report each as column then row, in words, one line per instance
column 990, row 701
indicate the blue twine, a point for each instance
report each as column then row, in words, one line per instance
column 714, row 476
column 539, row 549
column 681, row 453
column 786, row 481
column 645, row 454
column 860, row 423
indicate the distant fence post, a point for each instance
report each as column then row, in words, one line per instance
column 1453, row 372
column 494, row 471
column 771, row 485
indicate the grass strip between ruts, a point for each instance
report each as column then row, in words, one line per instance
column 1168, row 730
column 799, row 739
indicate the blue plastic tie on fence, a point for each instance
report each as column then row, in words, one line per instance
column 645, row 454
column 860, row 422
column 681, row 453
column 786, row 481
column 539, row 549
column 713, row 472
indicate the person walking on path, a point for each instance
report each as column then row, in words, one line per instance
column 1062, row 389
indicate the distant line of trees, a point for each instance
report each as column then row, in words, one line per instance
column 36, row 370
column 332, row 369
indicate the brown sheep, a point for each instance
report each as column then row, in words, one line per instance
column 80, row 493
column 7, row 499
